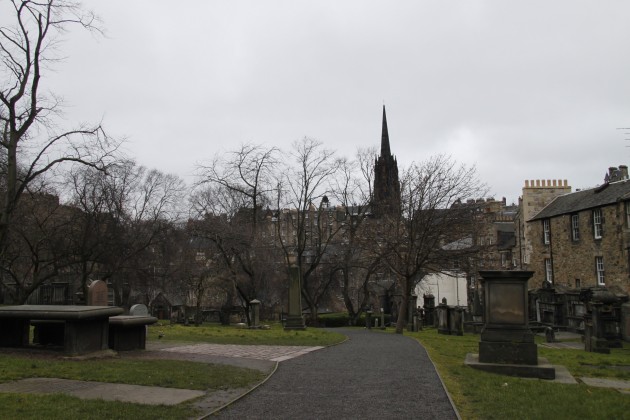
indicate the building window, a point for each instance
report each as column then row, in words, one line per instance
column 548, row 270
column 504, row 259
column 575, row 227
column 546, row 232
column 599, row 266
column 627, row 214
column 597, row 223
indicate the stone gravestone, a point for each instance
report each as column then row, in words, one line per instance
column 456, row 321
column 139, row 310
column 255, row 315
column 97, row 293
column 442, row 317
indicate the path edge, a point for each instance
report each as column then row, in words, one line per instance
column 275, row 368
column 448, row 395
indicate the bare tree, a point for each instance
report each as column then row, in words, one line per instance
column 356, row 260
column 434, row 214
column 32, row 144
column 303, row 190
column 247, row 172
column 130, row 207
column 240, row 184
column 40, row 247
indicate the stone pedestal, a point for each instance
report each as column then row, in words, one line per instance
column 594, row 340
column 507, row 344
column 368, row 319
column 429, row 310
column 456, row 320
column 442, row 319
column 295, row 320
column 255, row 315
column 625, row 321
column 412, row 308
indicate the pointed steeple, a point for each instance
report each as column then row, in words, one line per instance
column 385, row 152
column 386, row 198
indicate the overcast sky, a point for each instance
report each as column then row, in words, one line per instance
column 521, row 89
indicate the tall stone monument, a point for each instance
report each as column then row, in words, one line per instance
column 295, row 320
column 507, row 344
column 255, row 313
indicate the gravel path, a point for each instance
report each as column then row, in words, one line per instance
column 370, row 376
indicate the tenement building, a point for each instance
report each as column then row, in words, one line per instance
column 582, row 239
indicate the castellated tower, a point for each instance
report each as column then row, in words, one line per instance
column 536, row 195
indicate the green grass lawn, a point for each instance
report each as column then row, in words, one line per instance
column 481, row 395
column 166, row 373
column 221, row 334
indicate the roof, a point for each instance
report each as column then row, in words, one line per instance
column 603, row 195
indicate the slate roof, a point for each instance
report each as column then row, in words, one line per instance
column 603, row 195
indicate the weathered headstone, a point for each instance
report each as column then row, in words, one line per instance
column 550, row 335
column 411, row 311
column 139, row 310
column 255, row 305
column 382, row 318
column 97, row 293
column 429, row 310
column 442, row 318
column 456, row 321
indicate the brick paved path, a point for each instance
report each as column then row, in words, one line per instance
column 272, row 353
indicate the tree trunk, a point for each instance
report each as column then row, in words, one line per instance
column 347, row 299
column 402, row 311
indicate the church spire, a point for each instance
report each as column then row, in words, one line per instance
column 386, row 198
column 385, row 152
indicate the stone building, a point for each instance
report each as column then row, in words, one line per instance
column 536, row 195
column 582, row 239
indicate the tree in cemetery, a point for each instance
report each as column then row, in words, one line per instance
column 229, row 206
column 356, row 262
column 306, row 230
column 434, row 213
column 40, row 246
column 33, row 143
column 126, row 213
column 95, row 226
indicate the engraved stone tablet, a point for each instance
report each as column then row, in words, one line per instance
column 97, row 293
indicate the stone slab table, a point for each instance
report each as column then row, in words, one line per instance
column 86, row 328
column 129, row 332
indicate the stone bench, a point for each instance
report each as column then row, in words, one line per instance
column 129, row 332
